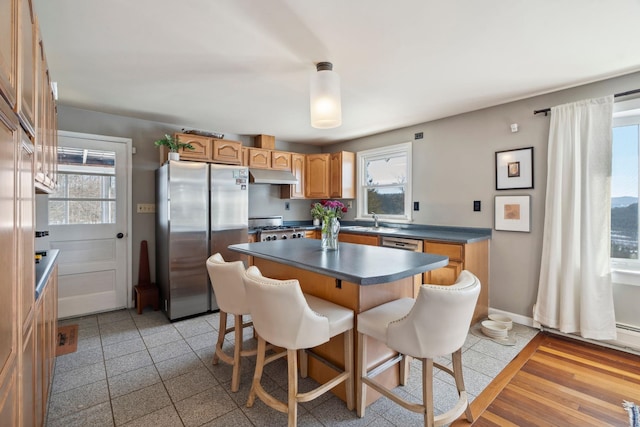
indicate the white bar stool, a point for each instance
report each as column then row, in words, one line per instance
column 435, row 324
column 228, row 286
column 287, row 318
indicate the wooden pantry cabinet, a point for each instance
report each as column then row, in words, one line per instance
column 28, row 163
column 9, row 283
column 462, row 256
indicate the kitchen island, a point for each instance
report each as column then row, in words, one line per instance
column 355, row 276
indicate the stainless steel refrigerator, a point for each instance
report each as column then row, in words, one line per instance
column 201, row 209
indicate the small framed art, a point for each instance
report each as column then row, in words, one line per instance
column 514, row 169
column 513, row 213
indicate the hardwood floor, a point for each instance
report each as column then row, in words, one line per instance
column 560, row 382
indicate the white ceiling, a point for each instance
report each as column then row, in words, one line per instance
column 243, row 66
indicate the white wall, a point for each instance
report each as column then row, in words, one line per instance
column 455, row 164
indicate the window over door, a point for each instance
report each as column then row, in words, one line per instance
column 384, row 181
column 86, row 191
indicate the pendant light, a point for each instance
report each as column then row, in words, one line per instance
column 326, row 109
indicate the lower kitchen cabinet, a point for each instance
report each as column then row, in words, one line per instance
column 358, row 238
column 9, row 396
column 462, row 256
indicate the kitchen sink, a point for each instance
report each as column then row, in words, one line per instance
column 370, row 229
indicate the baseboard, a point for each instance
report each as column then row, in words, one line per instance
column 628, row 339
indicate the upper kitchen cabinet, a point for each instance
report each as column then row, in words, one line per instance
column 330, row 175
column 281, row 160
column 316, row 176
column 206, row 149
column 202, row 147
column 26, row 97
column 227, row 151
column 259, row 158
column 9, row 50
column 295, row 191
column 342, row 169
column 46, row 138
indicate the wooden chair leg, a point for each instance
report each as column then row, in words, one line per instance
column 456, row 358
column 361, row 388
column 257, row 375
column 292, row 395
column 405, row 364
column 427, row 391
column 221, row 332
column 348, row 367
column 237, row 349
column 304, row 363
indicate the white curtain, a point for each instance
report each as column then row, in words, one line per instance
column 575, row 292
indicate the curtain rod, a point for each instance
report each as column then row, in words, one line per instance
column 629, row 92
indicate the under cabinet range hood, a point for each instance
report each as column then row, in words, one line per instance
column 270, row 176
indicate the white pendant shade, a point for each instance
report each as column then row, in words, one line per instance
column 325, row 104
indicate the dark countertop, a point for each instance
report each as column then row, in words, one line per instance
column 44, row 269
column 411, row 231
column 359, row 264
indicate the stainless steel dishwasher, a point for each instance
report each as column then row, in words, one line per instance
column 414, row 245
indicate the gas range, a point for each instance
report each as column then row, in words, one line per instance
column 271, row 228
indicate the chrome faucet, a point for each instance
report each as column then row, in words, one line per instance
column 375, row 219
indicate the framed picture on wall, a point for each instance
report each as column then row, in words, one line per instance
column 514, row 169
column 513, row 213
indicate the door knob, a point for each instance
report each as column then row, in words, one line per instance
column 120, row 235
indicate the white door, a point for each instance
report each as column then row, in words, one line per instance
column 89, row 224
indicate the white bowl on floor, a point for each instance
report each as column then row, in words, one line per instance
column 494, row 329
column 501, row 318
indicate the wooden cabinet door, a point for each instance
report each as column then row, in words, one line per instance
column 9, row 397
column 358, row 238
column 295, row 191
column 313, row 234
column 449, row 274
column 342, row 179
column 8, row 50
column 27, row 377
column 229, row 152
column 27, row 48
column 25, row 228
column 281, row 160
column 8, row 279
column 201, row 147
column 317, row 176
column 259, row 158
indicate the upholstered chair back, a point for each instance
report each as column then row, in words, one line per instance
column 439, row 321
column 280, row 313
column 226, row 280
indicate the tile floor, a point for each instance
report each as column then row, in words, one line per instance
column 142, row 370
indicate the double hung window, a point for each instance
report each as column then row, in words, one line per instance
column 384, row 183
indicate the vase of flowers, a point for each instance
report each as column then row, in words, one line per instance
column 329, row 212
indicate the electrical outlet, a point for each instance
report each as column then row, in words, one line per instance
column 418, row 135
column 476, row 205
column 349, row 204
column 287, row 206
column 146, row 208
column 416, row 206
